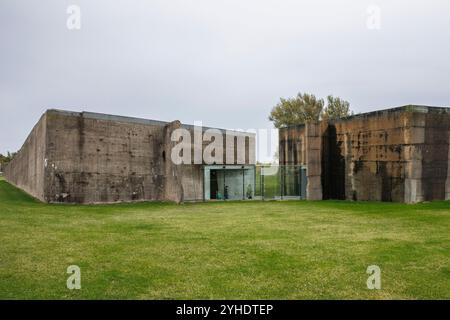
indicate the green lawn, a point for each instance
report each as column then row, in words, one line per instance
column 232, row 250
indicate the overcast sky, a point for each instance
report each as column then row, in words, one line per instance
column 224, row 62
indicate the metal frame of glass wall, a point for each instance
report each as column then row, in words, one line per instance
column 228, row 182
column 250, row 182
column 275, row 182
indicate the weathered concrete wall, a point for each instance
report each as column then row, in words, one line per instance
column 314, row 154
column 302, row 145
column 435, row 155
column 173, row 188
column 292, row 145
column 192, row 182
column 26, row 170
column 93, row 158
column 372, row 145
column 392, row 155
column 395, row 155
column 447, row 183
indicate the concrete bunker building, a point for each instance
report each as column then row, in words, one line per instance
column 88, row 157
column 400, row 154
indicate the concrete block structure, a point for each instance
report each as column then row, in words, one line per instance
column 88, row 157
column 400, row 154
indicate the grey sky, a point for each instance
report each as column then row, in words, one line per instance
column 223, row 62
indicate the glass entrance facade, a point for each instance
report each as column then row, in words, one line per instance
column 248, row 182
column 229, row 182
column 275, row 182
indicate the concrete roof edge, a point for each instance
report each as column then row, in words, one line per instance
column 415, row 108
column 110, row 117
column 406, row 108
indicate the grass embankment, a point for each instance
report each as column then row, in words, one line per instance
column 252, row 250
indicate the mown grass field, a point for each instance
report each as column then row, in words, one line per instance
column 232, row 250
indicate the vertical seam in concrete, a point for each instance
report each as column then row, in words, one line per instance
column 44, row 171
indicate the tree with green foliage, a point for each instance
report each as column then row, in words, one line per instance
column 304, row 107
column 336, row 108
column 4, row 160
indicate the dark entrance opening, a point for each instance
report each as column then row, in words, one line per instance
column 214, row 186
column 333, row 166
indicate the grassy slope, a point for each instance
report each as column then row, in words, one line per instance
column 279, row 250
